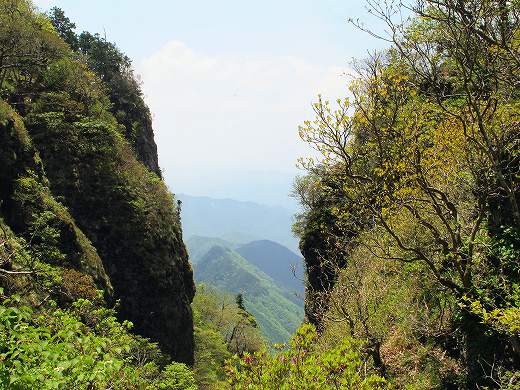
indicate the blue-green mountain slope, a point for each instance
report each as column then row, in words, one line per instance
column 236, row 221
column 277, row 314
column 277, row 261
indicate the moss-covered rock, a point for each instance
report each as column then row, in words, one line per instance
column 80, row 185
column 31, row 210
column 130, row 216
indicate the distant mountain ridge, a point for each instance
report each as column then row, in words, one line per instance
column 236, row 221
column 277, row 261
column 280, row 263
column 277, row 315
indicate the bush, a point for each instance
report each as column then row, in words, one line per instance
column 176, row 376
column 57, row 350
column 301, row 367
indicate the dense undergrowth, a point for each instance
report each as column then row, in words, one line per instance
column 83, row 347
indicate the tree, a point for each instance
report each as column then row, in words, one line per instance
column 426, row 149
column 222, row 328
column 239, row 299
column 28, row 43
column 467, row 51
column 64, row 27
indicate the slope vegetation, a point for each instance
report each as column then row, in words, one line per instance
column 277, row 261
column 82, row 203
column 236, row 221
column 276, row 314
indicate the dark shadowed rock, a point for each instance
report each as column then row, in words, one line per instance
column 129, row 215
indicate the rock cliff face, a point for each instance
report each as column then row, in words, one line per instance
column 128, row 214
column 114, row 68
column 146, row 147
column 81, row 185
column 25, row 198
column 320, row 243
column 116, row 219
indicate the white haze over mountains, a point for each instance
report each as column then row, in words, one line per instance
column 229, row 82
column 236, row 222
column 227, row 125
column 263, row 187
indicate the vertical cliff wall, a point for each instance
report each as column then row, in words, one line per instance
column 78, row 158
column 129, row 215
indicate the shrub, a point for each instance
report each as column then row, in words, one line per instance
column 57, row 350
column 301, row 367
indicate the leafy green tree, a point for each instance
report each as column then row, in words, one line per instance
column 210, row 354
column 64, row 27
column 176, row 376
column 221, row 329
column 424, row 156
column 28, row 44
column 239, row 299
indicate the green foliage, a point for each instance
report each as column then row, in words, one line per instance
column 239, row 299
column 114, row 69
column 70, row 87
column 176, row 376
column 211, row 352
column 125, row 208
column 221, row 329
column 277, row 315
column 28, row 43
column 73, row 120
column 502, row 314
column 64, row 27
column 411, row 213
column 57, row 350
column 391, row 307
column 31, row 359
column 50, row 233
column 301, row 367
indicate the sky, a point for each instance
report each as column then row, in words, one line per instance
column 228, row 82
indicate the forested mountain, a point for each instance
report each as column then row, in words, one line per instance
column 275, row 304
column 236, row 221
column 86, row 223
column 277, row 261
column 276, row 308
column 198, row 246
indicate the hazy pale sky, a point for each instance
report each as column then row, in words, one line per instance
column 228, row 82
